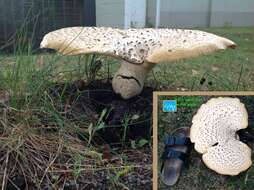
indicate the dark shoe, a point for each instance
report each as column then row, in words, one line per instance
column 176, row 151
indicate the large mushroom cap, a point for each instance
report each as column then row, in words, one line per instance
column 213, row 131
column 143, row 47
column 135, row 45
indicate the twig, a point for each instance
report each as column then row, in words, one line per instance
column 155, row 79
column 100, row 169
column 193, row 84
column 239, row 78
column 124, row 187
column 23, row 172
column 246, row 178
column 46, row 171
column 5, row 171
column 14, row 185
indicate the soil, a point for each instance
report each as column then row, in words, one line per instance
column 92, row 98
column 79, row 101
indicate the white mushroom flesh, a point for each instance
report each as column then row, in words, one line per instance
column 229, row 158
column 213, row 131
column 128, row 81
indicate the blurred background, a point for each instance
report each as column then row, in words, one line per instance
column 29, row 20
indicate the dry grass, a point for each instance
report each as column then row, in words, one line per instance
column 42, row 145
column 38, row 156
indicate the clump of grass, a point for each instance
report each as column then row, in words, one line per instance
column 36, row 154
column 39, row 140
column 40, row 146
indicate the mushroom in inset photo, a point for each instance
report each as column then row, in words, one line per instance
column 139, row 49
column 204, row 140
column 213, row 131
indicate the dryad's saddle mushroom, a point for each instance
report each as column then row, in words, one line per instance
column 213, row 131
column 139, row 49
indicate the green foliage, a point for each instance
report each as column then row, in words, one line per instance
column 99, row 125
column 228, row 70
column 139, row 143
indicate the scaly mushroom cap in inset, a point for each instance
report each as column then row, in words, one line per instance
column 143, row 47
column 213, row 131
column 216, row 121
column 135, row 45
column 229, row 158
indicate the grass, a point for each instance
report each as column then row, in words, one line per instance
column 197, row 176
column 31, row 123
column 227, row 70
column 40, row 146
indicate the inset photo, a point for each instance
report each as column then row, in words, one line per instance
column 205, row 140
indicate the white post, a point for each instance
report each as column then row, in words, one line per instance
column 135, row 13
column 158, row 13
column 209, row 17
column 127, row 14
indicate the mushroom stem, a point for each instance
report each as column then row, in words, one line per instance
column 128, row 81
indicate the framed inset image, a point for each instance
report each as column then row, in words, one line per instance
column 203, row 140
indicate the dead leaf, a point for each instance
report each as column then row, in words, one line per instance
column 106, row 152
column 215, row 68
column 135, row 117
column 194, row 72
column 4, row 97
column 182, row 89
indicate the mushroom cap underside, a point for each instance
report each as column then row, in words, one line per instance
column 135, row 45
